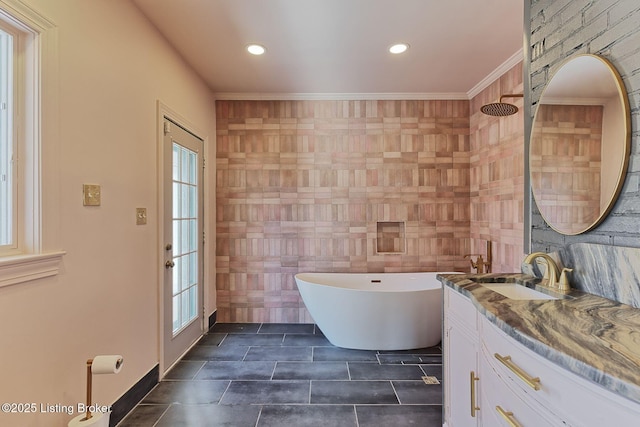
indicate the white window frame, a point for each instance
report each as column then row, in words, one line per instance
column 35, row 254
column 7, row 112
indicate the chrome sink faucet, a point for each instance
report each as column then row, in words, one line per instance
column 552, row 274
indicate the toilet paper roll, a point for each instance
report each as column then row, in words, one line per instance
column 97, row 420
column 106, row 364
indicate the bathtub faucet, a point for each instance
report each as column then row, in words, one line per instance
column 480, row 264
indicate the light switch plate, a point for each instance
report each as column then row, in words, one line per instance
column 141, row 216
column 91, row 195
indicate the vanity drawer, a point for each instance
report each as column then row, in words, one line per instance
column 501, row 405
column 460, row 307
column 516, row 363
column 573, row 400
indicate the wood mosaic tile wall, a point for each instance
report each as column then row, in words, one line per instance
column 497, row 175
column 566, row 164
column 301, row 186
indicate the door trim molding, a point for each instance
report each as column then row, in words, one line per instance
column 164, row 111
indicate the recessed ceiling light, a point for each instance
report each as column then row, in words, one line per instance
column 398, row 48
column 256, row 49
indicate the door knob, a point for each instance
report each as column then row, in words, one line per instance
column 169, row 264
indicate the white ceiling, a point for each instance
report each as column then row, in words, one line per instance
column 339, row 47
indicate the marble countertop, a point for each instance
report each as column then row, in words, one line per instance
column 593, row 337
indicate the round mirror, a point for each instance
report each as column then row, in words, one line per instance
column 580, row 143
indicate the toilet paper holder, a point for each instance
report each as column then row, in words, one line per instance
column 110, row 364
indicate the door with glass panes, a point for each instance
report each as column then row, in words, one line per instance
column 183, row 245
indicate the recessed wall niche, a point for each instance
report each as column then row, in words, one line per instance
column 390, row 237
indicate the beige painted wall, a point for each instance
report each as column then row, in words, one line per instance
column 113, row 67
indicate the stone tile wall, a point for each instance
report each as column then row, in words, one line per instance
column 562, row 28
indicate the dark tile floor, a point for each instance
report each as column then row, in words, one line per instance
column 263, row 375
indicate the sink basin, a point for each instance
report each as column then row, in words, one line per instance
column 515, row 291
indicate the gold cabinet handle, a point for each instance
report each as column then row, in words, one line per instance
column 508, row 416
column 473, row 380
column 534, row 383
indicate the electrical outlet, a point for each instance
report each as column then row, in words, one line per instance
column 91, row 195
column 141, row 216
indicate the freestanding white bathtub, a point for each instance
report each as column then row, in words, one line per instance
column 375, row 311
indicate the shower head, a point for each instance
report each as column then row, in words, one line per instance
column 501, row 109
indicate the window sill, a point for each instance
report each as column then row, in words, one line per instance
column 25, row 268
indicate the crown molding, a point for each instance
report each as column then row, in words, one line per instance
column 548, row 100
column 240, row 96
column 513, row 60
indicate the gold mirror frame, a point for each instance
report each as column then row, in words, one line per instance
column 573, row 141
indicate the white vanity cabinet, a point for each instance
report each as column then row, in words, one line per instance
column 501, row 405
column 505, row 400
column 551, row 394
column 511, row 385
column 461, row 367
